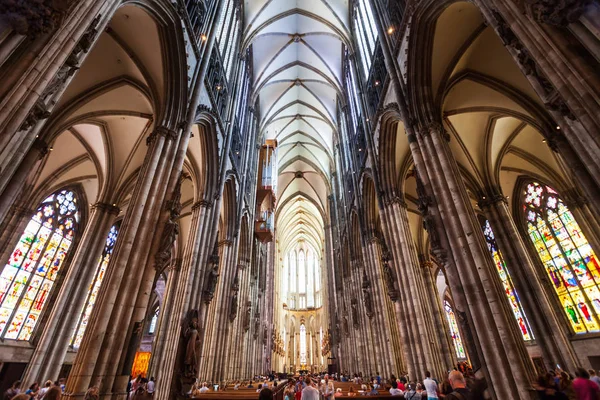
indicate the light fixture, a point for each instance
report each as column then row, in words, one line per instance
column 543, row 140
column 557, row 128
column 376, row 83
column 203, row 37
column 390, row 30
column 218, row 87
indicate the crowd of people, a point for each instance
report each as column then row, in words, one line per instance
column 49, row 391
column 460, row 384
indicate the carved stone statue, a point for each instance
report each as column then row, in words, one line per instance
column 211, row 283
column 345, row 326
column 389, row 279
column 354, row 307
column 192, row 348
column 234, row 307
column 247, row 316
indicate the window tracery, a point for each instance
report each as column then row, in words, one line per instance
column 454, row 332
column 567, row 256
column 32, row 269
column 94, row 289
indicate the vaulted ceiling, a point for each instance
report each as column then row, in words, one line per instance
column 297, row 49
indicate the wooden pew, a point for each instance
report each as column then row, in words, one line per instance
column 241, row 393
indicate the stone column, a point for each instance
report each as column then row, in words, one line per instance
column 563, row 79
column 176, row 304
column 440, row 326
column 112, row 333
column 489, row 316
column 548, row 330
column 18, row 181
column 55, row 339
column 425, row 350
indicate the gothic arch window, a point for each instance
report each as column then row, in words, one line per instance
column 454, row 331
column 153, row 321
column 33, row 266
column 507, row 283
column 304, row 288
column 95, row 285
column 303, row 347
column 366, row 34
column 566, row 254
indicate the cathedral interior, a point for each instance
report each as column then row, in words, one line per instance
column 216, row 189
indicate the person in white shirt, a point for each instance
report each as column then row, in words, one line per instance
column 204, row 388
column 150, row 386
column 394, row 391
column 327, row 388
column 431, row 386
column 310, row 392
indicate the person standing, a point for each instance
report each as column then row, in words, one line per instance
column 327, row 389
column 150, row 386
column 584, row 387
column 310, row 392
column 431, row 386
column 459, row 387
column 12, row 391
column 593, row 377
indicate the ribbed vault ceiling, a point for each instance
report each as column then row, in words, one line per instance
column 297, row 49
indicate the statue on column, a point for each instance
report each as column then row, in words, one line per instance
column 354, row 307
column 192, row 348
column 366, row 288
column 211, row 283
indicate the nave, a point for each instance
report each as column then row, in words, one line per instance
column 219, row 191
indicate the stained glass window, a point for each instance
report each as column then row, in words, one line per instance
column 303, row 289
column 33, row 266
column 95, row 285
column 568, row 258
column 456, row 339
column 507, row 283
column 303, row 351
column 366, row 33
column 153, row 322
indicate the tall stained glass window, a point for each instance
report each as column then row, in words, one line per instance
column 303, row 351
column 507, row 283
column 456, row 339
column 33, row 266
column 153, row 322
column 95, row 285
column 566, row 254
column 366, row 33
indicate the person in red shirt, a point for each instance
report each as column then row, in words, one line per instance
column 584, row 387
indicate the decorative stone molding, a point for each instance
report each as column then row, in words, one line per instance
column 552, row 100
column 556, row 12
column 38, row 112
column 573, row 198
column 34, row 18
column 488, row 200
column 202, row 203
column 41, row 146
column 110, row 208
column 167, row 133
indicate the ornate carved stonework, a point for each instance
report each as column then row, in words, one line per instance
column 556, row 12
column 110, row 208
column 366, row 289
column 247, row 316
column 171, row 230
column 193, row 344
column 34, row 18
column 354, row 310
column 388, row 274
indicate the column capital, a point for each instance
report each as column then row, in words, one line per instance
column 200, row 204
column 395, row 199
column 573, row 198
column 109, row 208
column 556, row 12
column 161, row 130
column 488, row 200
column 40, row 146
column 225, row 242
column 433, row 128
